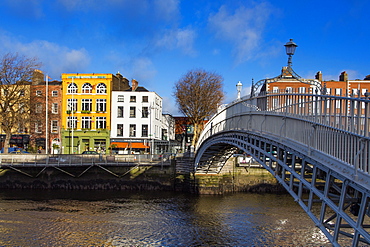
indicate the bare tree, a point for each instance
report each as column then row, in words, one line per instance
column 16, row 74
column 198, row 95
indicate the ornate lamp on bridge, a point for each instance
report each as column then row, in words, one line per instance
column 290, row 49
column 239, row 86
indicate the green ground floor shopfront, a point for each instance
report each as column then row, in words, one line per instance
column 77, row 141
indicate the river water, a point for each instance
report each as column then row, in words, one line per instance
column 118, row 218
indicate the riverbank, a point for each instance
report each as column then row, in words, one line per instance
column 160, row 177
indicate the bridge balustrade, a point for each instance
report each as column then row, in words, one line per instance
column 333, row 125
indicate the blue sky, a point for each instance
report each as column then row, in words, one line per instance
column 157, row 41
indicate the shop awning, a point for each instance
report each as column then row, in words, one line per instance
column 129, row 145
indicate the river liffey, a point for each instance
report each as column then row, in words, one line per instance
column 101, row 218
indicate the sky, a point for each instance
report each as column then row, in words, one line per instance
column 157, row 42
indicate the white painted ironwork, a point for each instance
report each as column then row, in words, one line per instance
column 316, row 145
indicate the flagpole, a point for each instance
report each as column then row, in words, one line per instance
column 72, row 120
column 47, row 115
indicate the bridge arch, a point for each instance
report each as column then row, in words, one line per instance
column 319, row 155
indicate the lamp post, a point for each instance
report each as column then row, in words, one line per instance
column 290, row 49
column 239, row 86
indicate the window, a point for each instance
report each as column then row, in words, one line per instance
column 302, row 90
column 101, row 88
column 54, row 126
column 144, row 130
column 72, row 105
column 337, row 103
column 71, row 122
column 120, row 98
column 86, row 88
column 86, row 105
column 145, row 99
column 38, row 108
column 289, row 89
column 101, row 122
column 338, row 91
column 54, row 93
column 132, row 98
column 86, row 122
column 38, row 93
column 38, row 128
column 275, row 89
column 54, row 108
column 119, row 129
column 120, row 111
column 101, row 105
column 72, row 88
column 132, row 112
column 132, row 130
column 145, row 112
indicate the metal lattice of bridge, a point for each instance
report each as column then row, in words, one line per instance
column 316, row 145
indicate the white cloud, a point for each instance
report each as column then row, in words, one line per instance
column 57, row 59
column 143, row 69
column 167, row 9
column 182, row 39
column 243, row 28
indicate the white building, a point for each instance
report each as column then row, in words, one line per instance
column 136, row 120
column 168, row 133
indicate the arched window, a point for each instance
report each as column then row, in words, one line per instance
column 101, row 88
column 72, row 88
column 86, row 88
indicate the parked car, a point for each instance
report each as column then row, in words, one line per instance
column 15, row 150
column 90, row 152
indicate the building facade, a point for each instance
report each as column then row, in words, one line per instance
column 86, row 115
column 136, row 120
column 46, row 98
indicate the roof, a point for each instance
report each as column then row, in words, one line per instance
column 138, row 89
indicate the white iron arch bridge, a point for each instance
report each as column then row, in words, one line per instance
column 317, row 146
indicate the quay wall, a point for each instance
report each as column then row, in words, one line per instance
column 235, row 178
column 89, row 178
column 146, row 177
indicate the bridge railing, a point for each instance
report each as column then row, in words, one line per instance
column 81, row 159
column 335, row 125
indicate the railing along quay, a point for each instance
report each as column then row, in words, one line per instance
column 36, row 160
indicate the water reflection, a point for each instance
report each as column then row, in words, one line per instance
column 101, row 218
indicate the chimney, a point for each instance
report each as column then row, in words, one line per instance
column 343, row 76
column 134, row 84
column 318, row 76
column 37, row 77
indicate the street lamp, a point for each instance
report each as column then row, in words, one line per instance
column 290, row 49
column 239, row 86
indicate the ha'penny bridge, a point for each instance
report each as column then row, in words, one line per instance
column 316, row 145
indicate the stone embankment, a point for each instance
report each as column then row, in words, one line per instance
column 177, row 175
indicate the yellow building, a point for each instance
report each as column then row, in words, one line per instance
column 86, row 111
